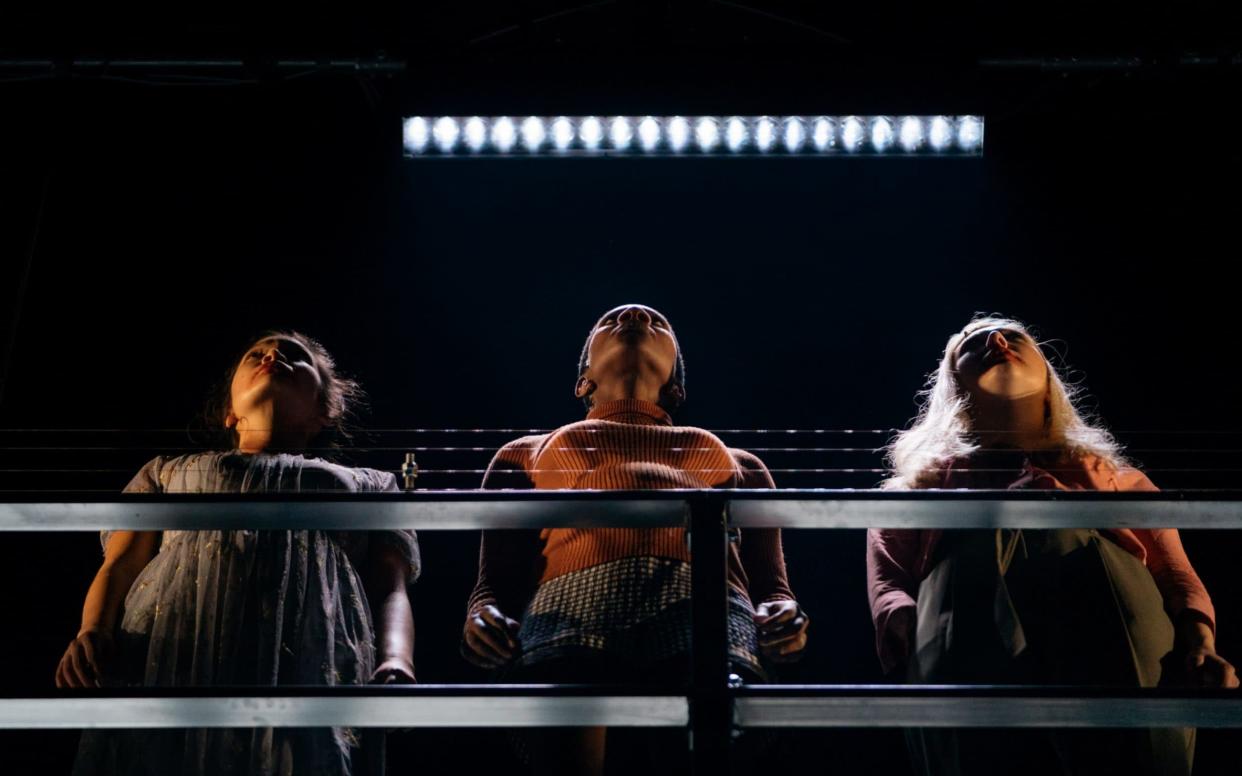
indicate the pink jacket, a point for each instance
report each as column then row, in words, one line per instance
column 898, row 560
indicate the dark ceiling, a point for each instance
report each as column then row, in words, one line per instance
column 758, row 48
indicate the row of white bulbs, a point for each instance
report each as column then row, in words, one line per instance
column 702, row 134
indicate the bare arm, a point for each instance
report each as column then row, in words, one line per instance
column 394, row 616
column 125, row 556
column 507, row 571
column 780, row 623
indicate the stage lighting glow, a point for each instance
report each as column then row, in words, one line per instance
column 417, row 133
column 591, row 132
column 649, row 133
column 940, row 133
column 795, row 134
column 562, row 133
column 910, row 135
column 706, row 133
column 765, row 134
column 504, row 134
column 620, row 133
column 483, row 136
column 852, row 133
column 969, row 133
column 736, row 133
column 445, row 133
column 881, row 134
column 822, row 133
column 678, row 132
column 533, row 133
column 475, row 131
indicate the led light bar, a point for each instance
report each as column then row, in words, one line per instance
column 467, row 136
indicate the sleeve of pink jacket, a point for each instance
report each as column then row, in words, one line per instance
column 1179, row 585
column 892, row 585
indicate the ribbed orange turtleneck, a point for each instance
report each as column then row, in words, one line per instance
column 629, row 444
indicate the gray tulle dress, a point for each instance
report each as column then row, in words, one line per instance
column 248, row 608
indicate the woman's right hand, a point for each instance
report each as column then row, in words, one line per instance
column 85, row 661
column 489, row 639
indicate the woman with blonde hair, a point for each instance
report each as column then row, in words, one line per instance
column 1074, row 606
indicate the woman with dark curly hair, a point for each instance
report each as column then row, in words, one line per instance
column 242, row 607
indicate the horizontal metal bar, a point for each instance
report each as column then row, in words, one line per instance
column 1123, row 512
column 889, row 706
column 361, row 515
column 816, row 706
column 163, row 65
column 472, row 510
column 397, row 710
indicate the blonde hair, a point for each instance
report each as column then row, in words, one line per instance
column 942, row 433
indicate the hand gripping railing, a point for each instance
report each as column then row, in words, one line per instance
column 709, row 705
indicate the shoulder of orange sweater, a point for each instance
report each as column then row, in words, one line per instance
column 1106, row 475
column 510, row 463
column 754, row 472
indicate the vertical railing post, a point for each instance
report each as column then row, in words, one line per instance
column 711, row 711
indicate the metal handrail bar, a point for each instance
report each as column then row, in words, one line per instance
column 872, row 706
column 473, row 510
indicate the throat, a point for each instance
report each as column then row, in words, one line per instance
column 1013, row 424
column 263, row 431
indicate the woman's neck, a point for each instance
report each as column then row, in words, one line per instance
column 635, row 386
column 1012, row 424
column 262, row 431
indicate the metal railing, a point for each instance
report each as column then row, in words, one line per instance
column 708, row 704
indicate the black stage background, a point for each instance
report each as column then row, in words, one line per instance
column 165, row 224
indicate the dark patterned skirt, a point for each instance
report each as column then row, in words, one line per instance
column 633, row 611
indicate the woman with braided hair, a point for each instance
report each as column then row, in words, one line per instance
column 613, row 604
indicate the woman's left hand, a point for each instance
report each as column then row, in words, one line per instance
column 1205, row 668
column 1196, row 639
column 782, row 628
column 394, row 670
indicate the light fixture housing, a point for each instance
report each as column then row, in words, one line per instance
column 429, row 137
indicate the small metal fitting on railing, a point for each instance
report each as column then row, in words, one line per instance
column 409, row 472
